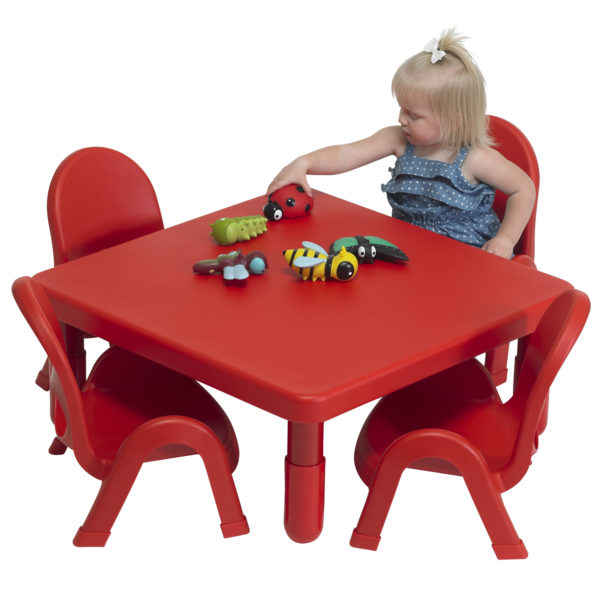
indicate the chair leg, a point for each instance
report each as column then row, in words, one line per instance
column 496, row 363
column 109, row 501
column 43, row 377
column 200, row 438
column 367, row 533
column 58, row 419
column 488, row 501
column 233, row 521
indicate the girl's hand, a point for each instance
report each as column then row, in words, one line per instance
column 500, row 246
column 295, row 172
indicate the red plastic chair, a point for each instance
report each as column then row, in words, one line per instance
column 98, row 198
column 454, row 422
column 130, row 411
column 513, row 145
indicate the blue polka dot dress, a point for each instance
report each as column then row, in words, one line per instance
column 435, row 195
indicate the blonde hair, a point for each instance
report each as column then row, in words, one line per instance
column 453, row 88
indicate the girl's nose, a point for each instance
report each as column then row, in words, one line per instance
column 402, row 119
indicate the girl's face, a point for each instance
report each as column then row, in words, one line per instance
column 420, row 124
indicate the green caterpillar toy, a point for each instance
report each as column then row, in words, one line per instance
column 230, row 230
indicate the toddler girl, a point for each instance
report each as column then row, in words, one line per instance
column 446, row 171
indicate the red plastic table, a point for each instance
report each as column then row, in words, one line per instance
column 303, row 351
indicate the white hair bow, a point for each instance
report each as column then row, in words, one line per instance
column 432, row 47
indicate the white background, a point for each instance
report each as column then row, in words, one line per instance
column 212, row 99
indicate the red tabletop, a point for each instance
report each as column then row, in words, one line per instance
column 304, row 351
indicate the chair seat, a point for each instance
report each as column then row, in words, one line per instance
column 462, row 399
column 125, row 390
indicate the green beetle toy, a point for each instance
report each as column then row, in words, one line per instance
column 367, row 248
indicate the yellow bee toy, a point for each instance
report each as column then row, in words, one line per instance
column 313, row 262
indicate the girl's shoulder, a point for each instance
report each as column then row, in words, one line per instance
column 479, row 154
column 479, row 161
column 395, row 138
column 489, row 166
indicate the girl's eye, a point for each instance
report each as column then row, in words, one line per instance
column 409, row 115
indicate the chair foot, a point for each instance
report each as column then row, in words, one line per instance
column 57, row 447
column 43, row 379
column 366, row 542
column 495, row 363
column 500, row 377
column 511, row 552
column 235, row 528
column 89, row 539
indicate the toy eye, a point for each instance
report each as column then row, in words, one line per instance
column 373, row 251
column 290, row 202
column 277, row 214
column 345, row 271
column 361, row 252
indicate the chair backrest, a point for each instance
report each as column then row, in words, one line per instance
column 71, row 428
column 513, row 145
column 98, row 198
column 547, row 349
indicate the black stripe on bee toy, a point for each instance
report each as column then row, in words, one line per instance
column 328, row 263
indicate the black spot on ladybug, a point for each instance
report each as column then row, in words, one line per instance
column 300, row 189
column 290, row 202
column 307, row 208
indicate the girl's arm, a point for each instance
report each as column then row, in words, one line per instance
column 489, row 166
column 339, row 159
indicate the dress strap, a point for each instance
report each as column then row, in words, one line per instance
column 460, row 157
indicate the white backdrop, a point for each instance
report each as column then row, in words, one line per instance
column 212, row 99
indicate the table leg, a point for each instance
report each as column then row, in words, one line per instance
column 304, row 482
column 75, row 351
column 521, row 349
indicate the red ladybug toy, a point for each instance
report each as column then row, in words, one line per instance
column 291, row 201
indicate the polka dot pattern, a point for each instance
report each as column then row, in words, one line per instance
column 435, row 195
